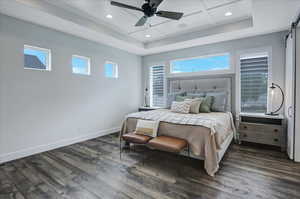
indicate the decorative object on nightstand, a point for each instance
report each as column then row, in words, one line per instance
column 273, row 87
column 262, row 129
column 146, row 98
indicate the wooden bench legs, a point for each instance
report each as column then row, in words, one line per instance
column 163, row 143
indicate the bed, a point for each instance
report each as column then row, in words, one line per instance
column 208, row 134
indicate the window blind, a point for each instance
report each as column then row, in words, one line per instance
column 254, row 84
column 157, row 76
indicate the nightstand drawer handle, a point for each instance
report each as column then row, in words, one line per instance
column 245, row 127
column 245, row 135
column 275, row 130
column 275, row 140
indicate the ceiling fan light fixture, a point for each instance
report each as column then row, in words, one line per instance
column 147, row 36
column 150, row 9
column 227, row 14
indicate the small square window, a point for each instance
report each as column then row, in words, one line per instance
column 111, row 70
column 80, row 65
column 37, row 58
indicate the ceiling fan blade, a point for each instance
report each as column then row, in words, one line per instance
column 114, row 3
column 170, row 15
column 155, row 3
column 142, row 21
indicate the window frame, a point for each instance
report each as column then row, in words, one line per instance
column 48, row 60
column 115, row 69
column 164, row 83
column 230, row 70
column 81, row 57
column 253, row 52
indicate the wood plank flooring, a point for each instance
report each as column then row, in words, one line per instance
column 93, row 170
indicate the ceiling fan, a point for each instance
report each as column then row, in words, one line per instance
column 150, row 9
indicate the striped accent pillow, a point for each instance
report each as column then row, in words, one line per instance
column 195, row 104
column 147, row 127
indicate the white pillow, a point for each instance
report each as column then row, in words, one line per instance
column 181, row 107
column 147, row 127
column 195, row 104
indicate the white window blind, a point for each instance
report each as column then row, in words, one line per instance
column 254, row 84
column 157, row 79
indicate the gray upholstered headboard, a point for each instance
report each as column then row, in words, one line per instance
column 202, row 85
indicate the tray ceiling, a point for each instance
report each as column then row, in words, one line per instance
column 199, row 14
column 204, row 21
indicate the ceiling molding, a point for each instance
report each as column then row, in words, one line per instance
column 266, row 16
column 226, row 28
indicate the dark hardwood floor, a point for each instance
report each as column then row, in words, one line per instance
column 93, row 170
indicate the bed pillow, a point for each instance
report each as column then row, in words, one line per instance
column 180, row 98
column 219, row 101
column 172, row 97
column 195, row 105
column 205, row 106
column 181, row 107
column 147, row 127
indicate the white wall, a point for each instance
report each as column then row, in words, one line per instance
column 40, row 110
column 274, row 41
column 297, row 106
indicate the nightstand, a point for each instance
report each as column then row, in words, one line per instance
column 262, row 129
column 144, row 108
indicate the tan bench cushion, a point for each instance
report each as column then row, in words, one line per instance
column 166, row 143
column 136, row 138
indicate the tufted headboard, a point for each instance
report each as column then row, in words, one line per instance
column 202, row 85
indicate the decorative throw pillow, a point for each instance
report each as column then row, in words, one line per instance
column 181, row 107
column 205, row 106
column 195, row 104
column 219, row 101
column 147, row 127
column 172, row 97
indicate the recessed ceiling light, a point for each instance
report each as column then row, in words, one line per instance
column 109, row 16
column 148, row 36
column 182, row 25
column 227, row 14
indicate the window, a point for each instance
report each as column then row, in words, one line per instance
column 111, row 70
column 207, row 63
column 157, row 81
column 81, row 65
column 254, row 73
column 37, row 58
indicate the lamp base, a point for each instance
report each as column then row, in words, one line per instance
column 272, row 114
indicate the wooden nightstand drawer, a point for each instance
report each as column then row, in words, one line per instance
column 261, row 128
column 262, row 138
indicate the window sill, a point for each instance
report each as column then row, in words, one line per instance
column 36, row 69
column 204, row 73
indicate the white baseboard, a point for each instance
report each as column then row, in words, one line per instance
column 42, row 148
